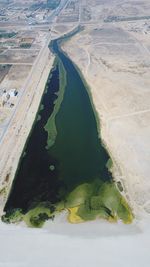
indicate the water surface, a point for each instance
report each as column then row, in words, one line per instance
column 77, row 158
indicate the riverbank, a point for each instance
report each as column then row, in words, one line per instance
column 117, row 103
column 15, row 138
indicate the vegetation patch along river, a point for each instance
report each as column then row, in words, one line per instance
column 64, row 164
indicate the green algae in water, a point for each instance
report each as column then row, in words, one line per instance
column 50, row 126
column 99, row 200
column 37, row 215
column 72, row 170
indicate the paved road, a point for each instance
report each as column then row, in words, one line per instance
column 15, row 63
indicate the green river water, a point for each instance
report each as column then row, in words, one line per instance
column 64, row 164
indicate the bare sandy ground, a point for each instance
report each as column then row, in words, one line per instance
column 64, row 245
column 116, row 66
column 13, row 80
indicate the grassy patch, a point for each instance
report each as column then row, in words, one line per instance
column 7, row 34
column 37, row 216
column 78, row 195
column 52, row 4
column 25, row 45
column 13, row 216
column 98, row 200
column 86, row 202
column 50, row 126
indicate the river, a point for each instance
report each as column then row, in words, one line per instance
column 64, row 159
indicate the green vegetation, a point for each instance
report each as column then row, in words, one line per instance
column 50, row 127
column 37, row 215
column 52, row 4
column 5, row 66
column 99, row 199
column 25, row 45
column 52, row 167
column 85, row 203
column 38, row 118
column 13, row 216
column 41, row 107
column 3, row 191
column 79, row 195
column 7, row 34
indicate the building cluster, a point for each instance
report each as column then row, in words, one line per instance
column 8, row 97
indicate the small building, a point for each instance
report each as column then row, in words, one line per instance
column 13, row 92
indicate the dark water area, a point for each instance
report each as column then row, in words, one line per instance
column 77, row 155
column 32, row 182
column 77, row 147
